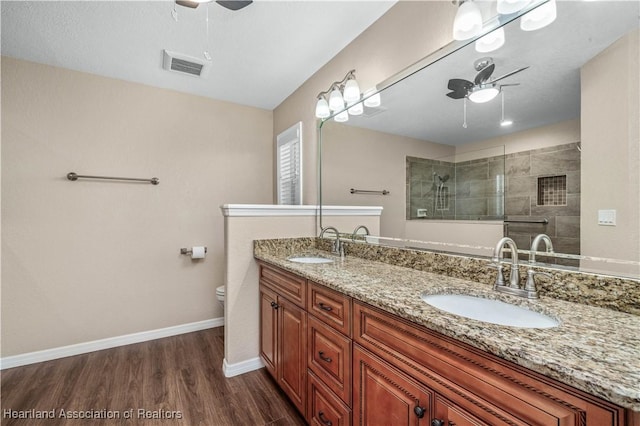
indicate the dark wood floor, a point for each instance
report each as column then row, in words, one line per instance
column 180, row 374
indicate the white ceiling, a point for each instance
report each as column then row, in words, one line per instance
column 260, row 54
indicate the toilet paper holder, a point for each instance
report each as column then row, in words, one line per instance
column 189, row 251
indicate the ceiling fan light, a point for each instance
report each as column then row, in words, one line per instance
column 356, row 109
column 468, row 21
column 506, row 122
column 342, row 117
column 507, row 7
column 372, row 100
column 480, row 95
column 539, row 17
column 336, row 101
column 490, row 42
column 322, row 108
column 351, row 91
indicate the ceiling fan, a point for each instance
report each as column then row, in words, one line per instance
column 483, row 88
column 229, row 4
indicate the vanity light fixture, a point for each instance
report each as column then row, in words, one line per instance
column 491, row 41
column 322, row 108
column 356, row 109
column 539, row 17
column 342, row 117
column 336, row 101
column 468, row 20
column 372, row 100
column 507, row 7
column 345, row 92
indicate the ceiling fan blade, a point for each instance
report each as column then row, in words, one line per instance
column 457, row 94
column 457, row 84
column 187, row 3
column 234, row 4
column 509, row 74
column 484, row 74
column 510, row 84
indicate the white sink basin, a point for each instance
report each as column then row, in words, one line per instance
column 310, row 259
column 489, row 310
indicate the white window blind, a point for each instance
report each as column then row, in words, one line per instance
column 289, row 165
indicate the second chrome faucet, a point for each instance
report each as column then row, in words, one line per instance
column 529, row 290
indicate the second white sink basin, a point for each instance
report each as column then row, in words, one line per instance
column 489, row 310
column 310, row 259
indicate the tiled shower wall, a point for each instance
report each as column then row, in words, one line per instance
column 474, row 190
column 522, row 201
column 499, row 186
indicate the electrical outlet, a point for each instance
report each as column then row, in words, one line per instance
column 607, row 217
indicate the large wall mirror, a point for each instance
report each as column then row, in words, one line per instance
column 451, row 174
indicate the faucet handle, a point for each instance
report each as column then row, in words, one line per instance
column 500, row 277
column 531, row 282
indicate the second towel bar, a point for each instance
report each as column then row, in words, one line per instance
column 74, row 176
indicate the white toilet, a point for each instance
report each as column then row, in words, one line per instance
column 220, row 295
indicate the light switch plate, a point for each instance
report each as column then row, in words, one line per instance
column 607, row 217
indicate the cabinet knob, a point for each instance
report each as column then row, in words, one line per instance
column 437, row 422
column 323, row 420
column 323, row 357
column 325, row 307
column 274, row 305
column 419, row 412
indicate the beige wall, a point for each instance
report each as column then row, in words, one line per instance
column 540, row 137
column 89, row 260
column 359, row 158
column 408, row 32
column 611, row 150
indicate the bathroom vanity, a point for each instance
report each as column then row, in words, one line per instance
column 352, row 342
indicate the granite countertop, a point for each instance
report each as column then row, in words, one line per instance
column 593, row 349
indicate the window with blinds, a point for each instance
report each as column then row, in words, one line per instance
column 289, row 165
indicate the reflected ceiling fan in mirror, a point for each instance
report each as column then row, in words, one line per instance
column 483, row 88
column 229, row 4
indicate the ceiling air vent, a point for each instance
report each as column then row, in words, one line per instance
column 184, row 64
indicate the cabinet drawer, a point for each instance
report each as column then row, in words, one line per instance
column 285, row 284
column 487, row 387
column 330, row 357
column 324, row 409
column 331, row 307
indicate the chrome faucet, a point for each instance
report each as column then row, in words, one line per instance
column 530, row 285
column 337, row 248
column 536, row 243
column 514, row 279
column 355, row 231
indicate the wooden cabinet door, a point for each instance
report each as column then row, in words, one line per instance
column 268, row 329
column 292, row 352
column 383, row 395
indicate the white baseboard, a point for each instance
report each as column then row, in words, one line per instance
column 110, row 342
column 238, row 368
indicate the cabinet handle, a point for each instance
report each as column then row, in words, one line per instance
column 437, row 422
column 323, row 420
column 325, row 307
column 274, row 305
column 420, row 412
column 324, row 358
